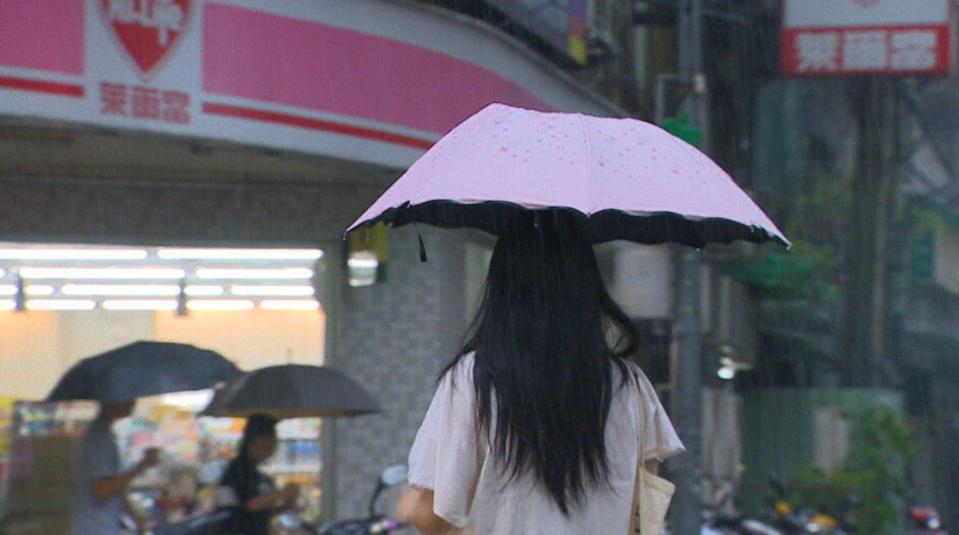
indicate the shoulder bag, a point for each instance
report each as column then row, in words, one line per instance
column 652, row 494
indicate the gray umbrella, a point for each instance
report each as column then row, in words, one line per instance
column 293, row 391
column 143, row 369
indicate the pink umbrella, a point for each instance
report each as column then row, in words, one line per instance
column 631, row 179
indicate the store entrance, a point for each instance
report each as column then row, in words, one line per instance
column 60, row 303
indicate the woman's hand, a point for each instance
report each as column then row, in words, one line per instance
column 290, row 493
column 415, row 507
column 278, row 499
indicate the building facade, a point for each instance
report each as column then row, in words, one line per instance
column 237, row 123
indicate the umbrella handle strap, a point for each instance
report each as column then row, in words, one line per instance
column 419, row 238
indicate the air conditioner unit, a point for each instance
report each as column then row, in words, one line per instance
column 641, row 280
column 732, row 323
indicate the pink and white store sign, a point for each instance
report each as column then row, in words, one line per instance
column 852, row 37
column 325, row 77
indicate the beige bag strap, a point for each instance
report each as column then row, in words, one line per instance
column 634, row 512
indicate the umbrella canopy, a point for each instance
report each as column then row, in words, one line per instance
column 143, row 369
column 632, row 179
column 293, row 391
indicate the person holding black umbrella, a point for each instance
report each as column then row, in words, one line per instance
column 100, row 483
column 255, row 496
column 115, row 379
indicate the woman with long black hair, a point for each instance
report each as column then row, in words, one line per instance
column 533, row 428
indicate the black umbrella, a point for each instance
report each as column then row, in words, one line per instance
column 143, row 369
column 293, row 391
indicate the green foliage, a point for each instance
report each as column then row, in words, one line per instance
column 806, row 272
column 874, row 471
column 928, row 221
column 810, row 270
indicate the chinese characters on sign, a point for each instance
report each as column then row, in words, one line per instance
column 854, row 37
column 865, row 51
column 148, row 103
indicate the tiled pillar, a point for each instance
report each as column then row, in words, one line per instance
column 394, row 338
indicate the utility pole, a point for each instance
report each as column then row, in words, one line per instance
column 686, row 397
column 866, row 257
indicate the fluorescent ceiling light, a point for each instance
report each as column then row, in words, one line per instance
column 254, row 273
column 289, row 304
column 239, row 254
column 7, row 304
column 203, row 290
column 273, row 290
column 194, row 401
column 139, row 304
column 61, row 304
column 39, row 289
column 131, row 290
column 219, row 304
column 65, row 253
column 8, row 289
column 101, row 273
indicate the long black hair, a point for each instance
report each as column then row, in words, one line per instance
column 546, row 337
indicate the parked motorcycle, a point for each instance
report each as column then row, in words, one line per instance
column 924, row 521
column 217, row 523
column 720, row 512
column 798, row 520
column 374, row 522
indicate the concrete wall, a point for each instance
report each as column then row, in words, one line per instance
column 394, row 338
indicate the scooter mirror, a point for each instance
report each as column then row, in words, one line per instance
column 391, row 477
column 394, row 475
column 290, row 520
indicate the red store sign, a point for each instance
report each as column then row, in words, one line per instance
column 854, row 37
column 315, row 77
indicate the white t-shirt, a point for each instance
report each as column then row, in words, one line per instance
column 470, row 490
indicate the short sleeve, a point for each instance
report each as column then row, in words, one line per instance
column 660, row 440
column 100, row 454
column 241, row 478
column 446, row 456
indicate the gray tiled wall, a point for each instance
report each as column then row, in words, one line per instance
column 171, row 212
column 394, row 338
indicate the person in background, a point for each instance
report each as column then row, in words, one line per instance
column 255, row 494
column 99, row 483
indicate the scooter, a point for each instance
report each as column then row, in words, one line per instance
column 720, row 514
column 291, row 522
column 924, row 521
column 793, row 520
column 374, row 522
column 734, row 525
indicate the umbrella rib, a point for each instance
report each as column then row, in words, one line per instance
column 589, row 168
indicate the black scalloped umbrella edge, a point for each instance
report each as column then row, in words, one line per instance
column 605, row 225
